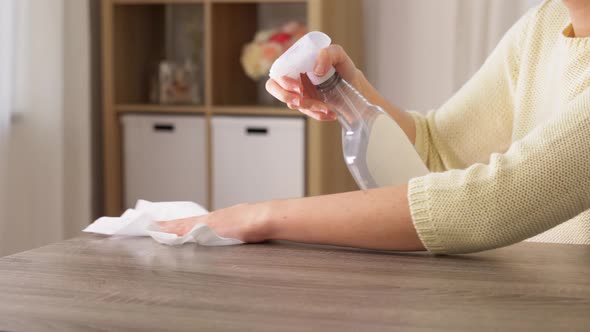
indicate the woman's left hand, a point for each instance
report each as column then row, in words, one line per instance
column 245, row 222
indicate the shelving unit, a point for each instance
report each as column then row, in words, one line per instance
column 134, row 39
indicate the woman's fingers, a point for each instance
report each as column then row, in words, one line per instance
column 316, row 110
column 281, row 94
column 170, row 227
column 290, row 84
column 179, row 227
column 323, row 63
column 310, row 107
column 319, row 116
column 334, row 55
column 290, row 91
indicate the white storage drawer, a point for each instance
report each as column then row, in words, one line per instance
column 257, row 159
column 165, row 158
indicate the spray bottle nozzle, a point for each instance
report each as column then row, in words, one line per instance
column 301, row 57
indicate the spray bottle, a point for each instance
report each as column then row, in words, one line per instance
column 376, row 150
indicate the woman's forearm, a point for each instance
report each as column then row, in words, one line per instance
column 403, row 119
column 372, row 219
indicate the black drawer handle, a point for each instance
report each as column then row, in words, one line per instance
column 164, row 127
column 256, row 131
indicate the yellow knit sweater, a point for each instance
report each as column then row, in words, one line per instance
column 510, row 151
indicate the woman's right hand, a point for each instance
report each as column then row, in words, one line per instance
column 290, row 91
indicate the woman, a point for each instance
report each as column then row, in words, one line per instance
column 509, row 154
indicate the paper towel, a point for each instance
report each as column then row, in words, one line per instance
column 141, row 221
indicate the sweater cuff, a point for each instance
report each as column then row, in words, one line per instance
column 421, row 143
column 421, row 212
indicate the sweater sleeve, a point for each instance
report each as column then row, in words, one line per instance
column 540, row 182
column 477, row 120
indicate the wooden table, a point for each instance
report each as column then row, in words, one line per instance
column 98, row 284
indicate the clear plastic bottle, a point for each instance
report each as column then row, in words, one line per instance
column 376, row 150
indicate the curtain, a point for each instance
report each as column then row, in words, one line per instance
column 46, row 191
column 32, row 157
column 7, row 60
column 419, row 52
column 479, row 27
column 7, row 53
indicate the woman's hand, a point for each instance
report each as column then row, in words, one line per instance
column 245, row 222
column 373, row 219
column 290, row 91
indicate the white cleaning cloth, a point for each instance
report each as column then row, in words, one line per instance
column 141, row 221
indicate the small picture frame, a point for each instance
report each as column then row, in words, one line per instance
column 176, row 83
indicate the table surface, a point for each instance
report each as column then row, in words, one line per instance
column 98, row 284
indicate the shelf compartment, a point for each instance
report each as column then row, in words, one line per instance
column 144, row 35
column 237, row 24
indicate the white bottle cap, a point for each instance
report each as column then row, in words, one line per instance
column 301, row 58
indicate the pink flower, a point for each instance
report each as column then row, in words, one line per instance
column 280, row 37
column 258, row 56
column 271, row 51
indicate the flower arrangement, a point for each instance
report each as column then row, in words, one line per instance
column 259, row 55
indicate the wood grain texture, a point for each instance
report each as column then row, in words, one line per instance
column 327, row 173
column 111, row 132
column 256, row 111
column 162, row 109
column 98, row 284
column 236, row 24
column 208, row 53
